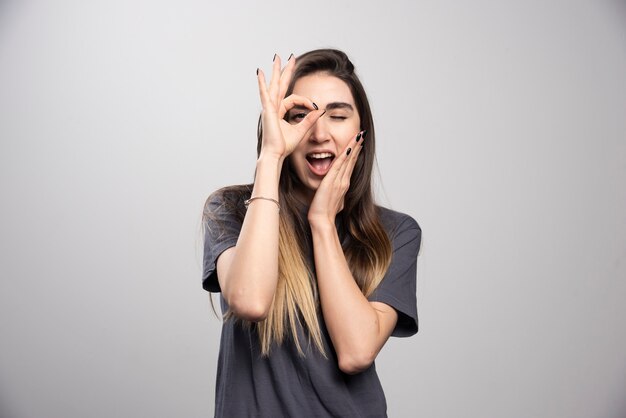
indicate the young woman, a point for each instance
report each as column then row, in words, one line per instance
column 314, row 277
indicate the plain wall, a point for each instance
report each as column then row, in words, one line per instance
column 501, row 128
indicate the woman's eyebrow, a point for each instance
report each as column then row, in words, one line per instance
column 329, row 106
column 339, row 105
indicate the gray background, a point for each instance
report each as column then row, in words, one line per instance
column 501, row 128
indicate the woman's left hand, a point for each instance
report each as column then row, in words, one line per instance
column 329, row 197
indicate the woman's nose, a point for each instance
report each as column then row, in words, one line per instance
column 319, row 131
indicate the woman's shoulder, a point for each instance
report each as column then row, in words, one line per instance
column 396, row 222
column 226, row 200
column 231, row 193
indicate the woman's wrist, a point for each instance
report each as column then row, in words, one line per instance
column 321, row 224
column 269, row 158
column 267, row 177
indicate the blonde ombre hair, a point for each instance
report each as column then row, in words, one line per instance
column 365, row 243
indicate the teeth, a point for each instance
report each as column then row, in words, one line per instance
column 321, row 155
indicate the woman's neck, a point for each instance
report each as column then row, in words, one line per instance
column 304, row 196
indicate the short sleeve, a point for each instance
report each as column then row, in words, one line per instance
column 398, row 287
column 221, row 230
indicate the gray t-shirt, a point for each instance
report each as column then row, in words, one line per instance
column 285, row 384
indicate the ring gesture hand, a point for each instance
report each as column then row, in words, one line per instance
column 280, row 137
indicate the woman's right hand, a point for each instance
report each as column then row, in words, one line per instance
column 280, row 137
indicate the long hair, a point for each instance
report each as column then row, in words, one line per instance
column 365, row 243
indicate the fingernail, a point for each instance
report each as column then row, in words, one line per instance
column 364, row 133
column 315, row 106
column 290, row 57
column 274, row 59
column 358, row 137
column 257, row 71
column 349, row 151
column 323, row 113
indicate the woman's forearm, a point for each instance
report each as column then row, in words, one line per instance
column 357, row 330
column 252, row 271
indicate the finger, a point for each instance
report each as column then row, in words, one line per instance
column 354, row 155
column 294, row 100
column 285, row 77
column 339, row 162
column 349, row 151
column 351, row 156
column 309, row 120
column 357, row 143
column 262, row 88
column 274, row 82
column 345, row 164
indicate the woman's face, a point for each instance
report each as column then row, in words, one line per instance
column 331, row 133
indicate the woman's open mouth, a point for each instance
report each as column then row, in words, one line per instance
column 319, row 162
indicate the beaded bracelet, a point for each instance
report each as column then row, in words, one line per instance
column 247, row 202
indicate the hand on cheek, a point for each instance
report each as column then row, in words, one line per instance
column 329, row 197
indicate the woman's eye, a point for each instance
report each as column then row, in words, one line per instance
column 297, row 117
column 338, row 117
